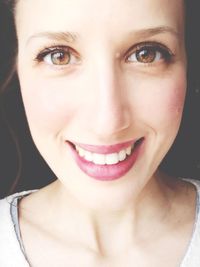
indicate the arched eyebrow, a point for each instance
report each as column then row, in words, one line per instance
column 69, row 37
column 150, row 32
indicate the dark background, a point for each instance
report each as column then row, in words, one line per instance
column 26, row 164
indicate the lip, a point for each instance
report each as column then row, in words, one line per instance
column 106, row 149
column 107, row 172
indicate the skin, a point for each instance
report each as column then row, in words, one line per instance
column 101, row 99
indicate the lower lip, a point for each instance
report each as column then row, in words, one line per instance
column 107, row 172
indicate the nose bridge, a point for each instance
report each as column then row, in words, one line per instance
column 110, row 100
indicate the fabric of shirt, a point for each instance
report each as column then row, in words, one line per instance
column 12, row 252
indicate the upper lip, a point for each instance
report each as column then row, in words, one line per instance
column 106, row 149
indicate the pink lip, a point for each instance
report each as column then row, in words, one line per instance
column 107, row 172
column 106, row 149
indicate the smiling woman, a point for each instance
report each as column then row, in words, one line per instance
column 103, row 91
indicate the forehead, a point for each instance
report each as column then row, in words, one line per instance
column 86, row 16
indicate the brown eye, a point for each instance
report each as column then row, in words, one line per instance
column 60, row 58
column 147, row 55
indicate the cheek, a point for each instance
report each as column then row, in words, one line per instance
column 48, row 104
column 169, row 104
column 172, row 105
column 162, row 103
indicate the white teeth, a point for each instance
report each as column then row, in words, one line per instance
column 128, row 151
column 112, row 158
column 88, row 156
column 81, row 151
column 103, row 159
column 122, row 155
column 99, row 159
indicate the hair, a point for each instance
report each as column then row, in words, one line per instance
column 8, row 74
column 8, row 67
column 9, row 79
column 12, row 116
column 8, row 43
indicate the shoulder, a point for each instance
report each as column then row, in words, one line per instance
column 11, row 254
column 5, row 207
column 192, row 258
column 6, row 203
column 195, row 182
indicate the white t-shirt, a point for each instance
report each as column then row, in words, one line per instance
column 12, row 253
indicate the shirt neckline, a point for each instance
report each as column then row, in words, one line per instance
column 196, row 224
column 14, row 205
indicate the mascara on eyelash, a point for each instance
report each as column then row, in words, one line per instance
column 40, row 56
column 155, row 46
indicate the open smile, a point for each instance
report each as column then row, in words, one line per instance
column 106, row 163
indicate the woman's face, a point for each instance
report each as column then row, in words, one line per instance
column 107, row 76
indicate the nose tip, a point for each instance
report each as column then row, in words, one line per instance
column 110, row 115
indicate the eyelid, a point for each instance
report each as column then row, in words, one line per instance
column 52, row 49
column 151, row 44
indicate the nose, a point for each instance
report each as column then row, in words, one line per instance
column 110, row 113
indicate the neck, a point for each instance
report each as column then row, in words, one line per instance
column 105, row 226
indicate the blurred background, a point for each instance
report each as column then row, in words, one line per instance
column 19, row 159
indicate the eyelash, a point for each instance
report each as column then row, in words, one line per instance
column 165, row 53
column 55, row 50
column 153, row 47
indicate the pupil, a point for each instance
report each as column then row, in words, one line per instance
column 146, row 56
column 60, row 58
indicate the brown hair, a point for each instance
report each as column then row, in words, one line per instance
column 8, row 76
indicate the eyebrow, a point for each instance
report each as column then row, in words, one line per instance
column 71, row 37
column 144, row 33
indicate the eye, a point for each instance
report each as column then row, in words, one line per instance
column 59, row 56
column 149, row 53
